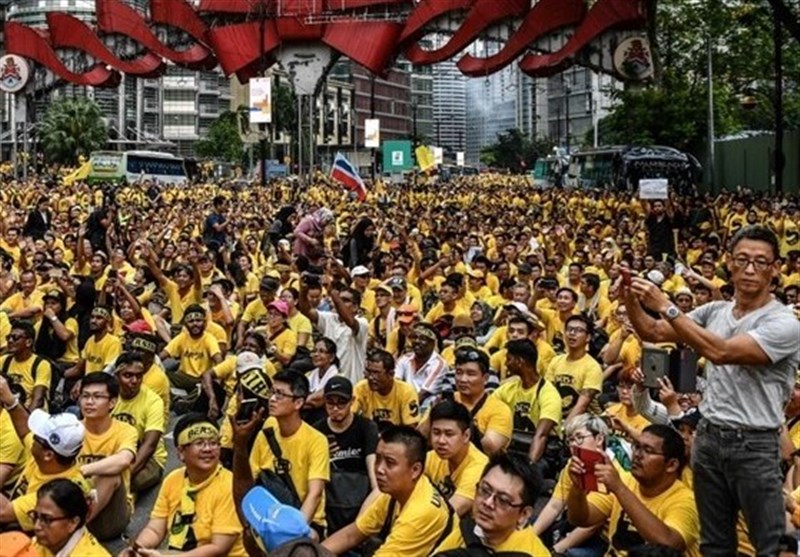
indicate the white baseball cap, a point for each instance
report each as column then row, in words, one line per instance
column 247, row 360
column 62, row 432
column 359, row 270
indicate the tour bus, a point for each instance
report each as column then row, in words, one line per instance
column 621, row 167
column 134, row 166
column 548, row 171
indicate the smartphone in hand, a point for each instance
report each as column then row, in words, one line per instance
column 590, row 459
column 626, row 275
column 246, row 410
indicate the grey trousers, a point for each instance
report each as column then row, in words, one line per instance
column 736, row 469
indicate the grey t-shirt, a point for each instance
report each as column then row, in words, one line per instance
column 741, row 396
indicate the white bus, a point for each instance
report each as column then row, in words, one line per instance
column 135, row 166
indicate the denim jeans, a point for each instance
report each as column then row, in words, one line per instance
column 734, row 470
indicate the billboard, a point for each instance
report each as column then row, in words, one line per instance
column 397, row 156
column 372, row 133
column 260, row 100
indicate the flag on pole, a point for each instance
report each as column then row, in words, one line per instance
column 425, row 158
column 344, row 172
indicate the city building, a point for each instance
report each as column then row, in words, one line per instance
column 449, row 108
column 168, row 113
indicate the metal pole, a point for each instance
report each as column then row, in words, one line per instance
column 312, row 136
column 25, row 147
column 262, row 127
column 711, row 153
column 299, row 135
column 779, row 160
column 567, row 91
column 14, row 153
column 372, row 115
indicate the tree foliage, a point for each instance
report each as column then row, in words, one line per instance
column 514, row 151
column 72, row 127
column 224, row 141
column 673, row 110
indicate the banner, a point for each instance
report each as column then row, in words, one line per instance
column 261, row 100
column 372, row 133
column 425, row 158
column 397, row 156
column 460, row 158
column 438, row 155
column 657, row 188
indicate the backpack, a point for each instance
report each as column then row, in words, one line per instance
column 476, row 434
column 473, row 546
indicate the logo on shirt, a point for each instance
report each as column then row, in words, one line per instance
column 127, row 418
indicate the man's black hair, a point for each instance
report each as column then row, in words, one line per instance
column 382, row 356
column 583, row 319
column 100, row 378
column 518, row 467
column 523, row 348
column 672, row 443
column 416, row 445
column 759, row 233
column 24, row 326
column 297, row 382
column 451, row 410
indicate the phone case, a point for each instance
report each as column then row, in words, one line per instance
column 655, row 365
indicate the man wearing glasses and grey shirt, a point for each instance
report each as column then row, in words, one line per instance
column 752, row 348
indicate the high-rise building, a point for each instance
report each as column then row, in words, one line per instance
column 167, row 113
column 449, row 108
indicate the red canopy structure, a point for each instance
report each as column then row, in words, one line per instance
column 243, row 37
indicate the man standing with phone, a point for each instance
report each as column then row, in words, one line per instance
column 752, row 348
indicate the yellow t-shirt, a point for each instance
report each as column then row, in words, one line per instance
column 23, row 496
column 215, row 512
column 195, row 354
column 5, row 329
column 12, row 452
column 416, row 527
column 145, row 412
column 493, row 416
column 299, row 323
column 87, row 546
column 545, row 355
column 156, row 380
column 637, row 421
column 573, row 376
column 117, row 438
column 524, row 541
column 254, row 312
column 19, row 301
column 98, row 354
column 23, row 373
column 497, row 340
column 675, row 508
column 72, row 354
column 306, row 449
column 177, row 303
column 285, row 343
column 540, row 402
column 630, row 353
column 399, row 407
column 461, row 481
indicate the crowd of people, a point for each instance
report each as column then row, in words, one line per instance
column 467, row 368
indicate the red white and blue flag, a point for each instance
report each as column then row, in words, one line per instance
column 347, row 174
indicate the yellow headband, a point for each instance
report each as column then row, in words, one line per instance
column 102, row 312
column 200, row 430
column 144, row 344
column 194, row 315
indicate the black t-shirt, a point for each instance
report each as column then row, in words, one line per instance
column 352, row 445
column 661, row 238
column 213, row 236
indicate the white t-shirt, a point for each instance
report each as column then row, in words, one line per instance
column 317, row 383
column 350, row 348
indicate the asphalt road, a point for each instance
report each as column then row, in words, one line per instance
column 146, row 500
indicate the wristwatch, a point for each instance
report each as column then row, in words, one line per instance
column 672, row 312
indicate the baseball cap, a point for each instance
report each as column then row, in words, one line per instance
column 257, row 381
column 359, row 270
column 280, row 306
column 340, row 386
column 63, row 433
column 56, row 295
column 519, row 306
column 691, row 418
column 268, row 283
column 272, row 522
column 476, row 273
column 463, row 320
column 383, row 288
column 397, row 282
column 247, row 360
column 406, row 313
column 656, row 277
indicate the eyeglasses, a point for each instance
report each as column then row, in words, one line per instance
column 46, row 519
column 742, row 262
column 93, row 396
column 576, row 330
column 280, row 395
column 645, row 450
column 15, row 338
column 337, row 402
column 502, row 501
column 578, row 439
column 204, row 444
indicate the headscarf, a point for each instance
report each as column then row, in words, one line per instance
column 482, row 327
column 81, row 310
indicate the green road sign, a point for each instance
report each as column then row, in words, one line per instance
column 397, row 156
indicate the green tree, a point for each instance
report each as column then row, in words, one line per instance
column 72, row 127
column 224, row 140
column 514, row 151
column 673, row 108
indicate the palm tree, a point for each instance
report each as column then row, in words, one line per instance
column 72, row 127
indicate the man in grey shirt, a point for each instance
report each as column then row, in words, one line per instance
column 752, row 348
